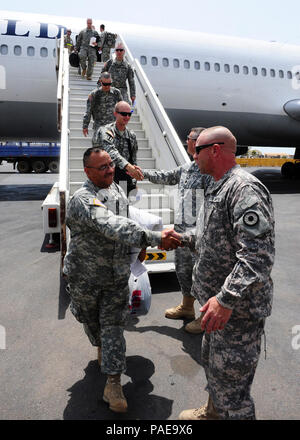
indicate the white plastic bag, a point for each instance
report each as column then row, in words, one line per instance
column 139, row 294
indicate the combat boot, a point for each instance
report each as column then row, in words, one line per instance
column 184, row 310
column 89, row 78
column 194, row 327
column 83, row 72
column 113, row 394
column 99, row 356
column 205, row 412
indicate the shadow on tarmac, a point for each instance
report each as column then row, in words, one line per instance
column 276, row 184
column 86, row 395
column 19, row 193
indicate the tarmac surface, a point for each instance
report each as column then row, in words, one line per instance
column 48, row 369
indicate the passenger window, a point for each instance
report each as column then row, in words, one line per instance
column 254, row 71
column 226, row 68
column 281, row 74
column 44, row 52
column 54, row 53
column 297, row 75
column 165, row 62
column 289, row 74
column 4, row 49
column 176, row 63
column 17, row 50
column 197, row 65
column 264, row 71
column 154, row 61
column 272, row 73
column 186, row 64
column 30, row 51
column 217, row 67
column 236, row 68
column 207, row 66
column 143, row 60
column 245, row 70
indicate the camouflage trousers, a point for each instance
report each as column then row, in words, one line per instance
column 103, row 311
column 88, row 55
column 230, row 358
column 105, row 54
column 124, row 94
column 184, row 263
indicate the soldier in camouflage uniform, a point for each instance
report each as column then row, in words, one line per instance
column 103, row 44
column 189, row 198
column 86, row 51
column 97, row 265
column 101, row 104
column 121, row 71
column 68, row 42
column 234, row 241
column 119, row 142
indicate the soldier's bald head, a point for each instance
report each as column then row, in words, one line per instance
column 218, row 134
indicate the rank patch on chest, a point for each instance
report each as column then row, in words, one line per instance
column 251, row 218
column 96, row 202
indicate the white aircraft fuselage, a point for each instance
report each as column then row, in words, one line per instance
column 249, row 86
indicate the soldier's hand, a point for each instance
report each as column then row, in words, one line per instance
column 85, row 131
column 216, row 316
column 132, row 99
column 134, row 171
column 142, row 255
column 170, row 239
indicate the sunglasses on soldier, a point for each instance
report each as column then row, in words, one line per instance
column 198, row 148
column 125, row 113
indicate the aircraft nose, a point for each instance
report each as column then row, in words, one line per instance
column 292, row 109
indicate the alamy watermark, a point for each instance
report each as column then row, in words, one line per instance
column 296, row 338
column 2, row 338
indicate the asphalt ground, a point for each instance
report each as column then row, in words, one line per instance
column 48, row 369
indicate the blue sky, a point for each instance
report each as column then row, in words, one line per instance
column 260, row 19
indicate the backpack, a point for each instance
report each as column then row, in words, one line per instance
column 110, row 39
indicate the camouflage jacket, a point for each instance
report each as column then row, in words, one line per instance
column 120, row 72
column 234, row 241
column 188, row 197
column 68, row 42
column 101, row 240
column 84, row 37
column 117, row 144
column 101, row 105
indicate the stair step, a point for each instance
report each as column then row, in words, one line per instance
column 76, row 141
column 76, row 122
column 143, row 153
column 75, row 162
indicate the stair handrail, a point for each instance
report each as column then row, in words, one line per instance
column 163, row 122
column 63, row 100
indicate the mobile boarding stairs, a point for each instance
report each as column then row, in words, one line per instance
column 158, row 147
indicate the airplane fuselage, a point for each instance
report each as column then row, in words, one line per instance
column 201, row 79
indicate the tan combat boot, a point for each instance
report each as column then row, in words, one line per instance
column 99, row 356
column 194, row 327
column 83, row 72
column 205, row 412
column 184, row 310
column 113, row 394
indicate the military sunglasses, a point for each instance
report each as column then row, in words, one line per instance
column 198, row 148
column 126, row 113
column 104, row 167
column 119, row 50
column 106, row 84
